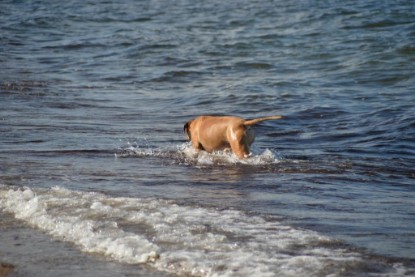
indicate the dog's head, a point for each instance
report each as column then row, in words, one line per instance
column 186, row 128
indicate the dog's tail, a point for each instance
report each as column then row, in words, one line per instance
column 251, row 122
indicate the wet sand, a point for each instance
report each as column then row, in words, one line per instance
column 29, row 252
column 5, row 269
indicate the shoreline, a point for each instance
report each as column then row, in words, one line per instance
column 29, row 252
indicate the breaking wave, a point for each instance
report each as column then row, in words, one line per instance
column 180, row 239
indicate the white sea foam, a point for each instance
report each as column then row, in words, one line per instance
column 184, row 153
column 175, row 238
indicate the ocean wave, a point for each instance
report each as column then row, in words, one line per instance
column 180, row 239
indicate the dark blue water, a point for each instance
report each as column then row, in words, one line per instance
column 94, row 95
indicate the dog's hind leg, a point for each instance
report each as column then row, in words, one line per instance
column 238, row 143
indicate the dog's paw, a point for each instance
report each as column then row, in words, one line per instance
column 248, row 155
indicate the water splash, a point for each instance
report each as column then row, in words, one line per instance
column 185, row 154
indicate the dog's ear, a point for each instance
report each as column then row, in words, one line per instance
column 186, row 128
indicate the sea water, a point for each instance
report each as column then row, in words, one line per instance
column 93, row 99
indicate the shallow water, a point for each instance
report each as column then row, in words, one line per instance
column 93, row 98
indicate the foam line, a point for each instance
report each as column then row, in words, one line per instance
column 177, row 238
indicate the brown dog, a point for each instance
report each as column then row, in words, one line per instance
column 212, row 133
